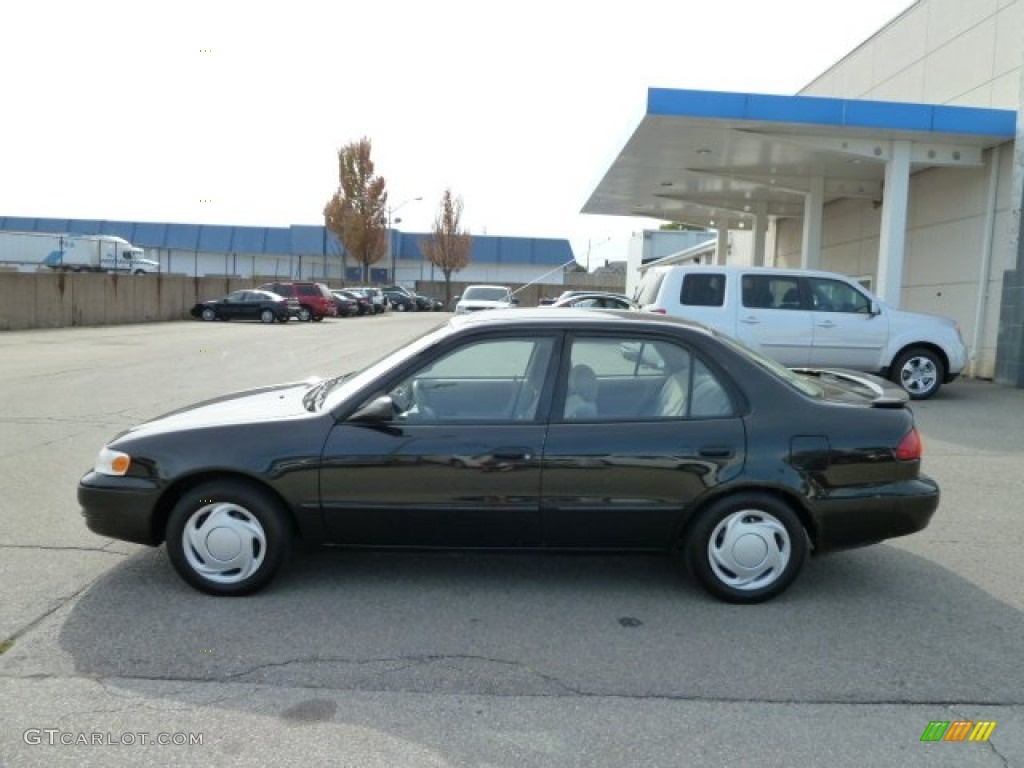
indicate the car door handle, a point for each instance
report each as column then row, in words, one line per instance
column 750, row 320
column 715, row 452
column 512, row 454
column 826, row 324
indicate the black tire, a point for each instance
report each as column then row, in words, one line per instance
column 267, row 316
column 305, row 314
column 919, row 371
column 317, row 318
column 766, row 533
column 208, row 314
column 283, row 319
column 241, row 519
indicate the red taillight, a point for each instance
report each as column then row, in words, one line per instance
column 910, row 447
column 659, row 312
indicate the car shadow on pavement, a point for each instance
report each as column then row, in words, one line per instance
column 877, row 625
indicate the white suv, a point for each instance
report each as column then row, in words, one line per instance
column 477, row 297
column 805, row 318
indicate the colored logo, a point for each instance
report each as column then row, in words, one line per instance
column 958, row 730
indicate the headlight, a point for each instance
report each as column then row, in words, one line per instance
column 113, row 463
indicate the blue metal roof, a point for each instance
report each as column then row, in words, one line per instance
column 840, row 113
column 297, row 239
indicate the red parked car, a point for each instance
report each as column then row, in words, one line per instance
column 315, row 300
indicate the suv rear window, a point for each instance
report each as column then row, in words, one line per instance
column 647, row 293
column 703, row 290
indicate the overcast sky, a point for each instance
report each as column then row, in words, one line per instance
column 229, row 112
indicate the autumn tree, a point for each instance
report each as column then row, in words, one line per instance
column 357, row 212
column 449, row 246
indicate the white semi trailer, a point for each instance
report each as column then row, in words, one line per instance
column 74, row 253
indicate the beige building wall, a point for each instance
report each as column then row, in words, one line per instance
column 950, row 52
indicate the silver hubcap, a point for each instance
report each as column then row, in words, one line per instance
column 918, row 375
column 224, row 542
column 267, row 316
column 749, row 550
column 208, row 314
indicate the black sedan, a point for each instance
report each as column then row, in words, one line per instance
column 251, row 304
column 558, row 429
column 595, row 300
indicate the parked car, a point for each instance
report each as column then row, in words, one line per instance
column 428, row 303
column 812, row 318
column 315, row 299
column 595, row 300
column 249, row 304
column 377, row 298
column 363, row 301
column 477, row 297
column 400, row 301
column 346, row 304
column 559, row 429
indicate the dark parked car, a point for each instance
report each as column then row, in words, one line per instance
column 364, row 303
column 556, row 429
column 400, row 302
column 250, row 304
column 315, row 299
column 347, row 304
column 595, row 300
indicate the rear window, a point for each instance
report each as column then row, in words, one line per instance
column 703, row 290
column 647, row 293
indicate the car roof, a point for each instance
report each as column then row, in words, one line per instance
column 738, row 268
column 579, row 317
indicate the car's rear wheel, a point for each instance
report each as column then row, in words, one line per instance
column 283, row 318
column 920, row 372
column 227, row 537
column 746, row 548
column 267, row 316
column 305, row 314
column 209, row 314
column 400, row 307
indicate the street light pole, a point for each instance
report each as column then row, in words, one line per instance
column 391, row 210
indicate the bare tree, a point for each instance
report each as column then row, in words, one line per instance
column 356, row 213
column 449, row 246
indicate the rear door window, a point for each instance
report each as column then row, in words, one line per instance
column 703, row 290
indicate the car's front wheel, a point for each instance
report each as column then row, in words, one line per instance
column 209, row 314
column 267, row 316
column 746, row 548
column 227, row 537
column 305, row 314
column 920, row 372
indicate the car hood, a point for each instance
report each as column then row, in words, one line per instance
column 282, row 401
column 484, row 304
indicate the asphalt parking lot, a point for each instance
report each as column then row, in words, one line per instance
column 410, row 659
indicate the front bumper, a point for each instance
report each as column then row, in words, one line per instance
column 120, row 507
column 858, row 516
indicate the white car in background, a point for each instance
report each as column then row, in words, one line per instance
column 477, row 297
column 805, row 318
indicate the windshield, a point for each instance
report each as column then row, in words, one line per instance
column 480, row 293
column 336, row 391
column 806, row 385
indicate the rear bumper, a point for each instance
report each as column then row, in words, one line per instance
column 856, row 517
column 120, row 507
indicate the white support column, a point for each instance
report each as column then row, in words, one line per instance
column 893, row 235
column 814, row 206
column 760, row 227
column 722, row 247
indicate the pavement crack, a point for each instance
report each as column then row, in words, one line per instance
column 44, row 548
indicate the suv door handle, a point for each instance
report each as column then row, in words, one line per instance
column 750, row 320
column 826, row 324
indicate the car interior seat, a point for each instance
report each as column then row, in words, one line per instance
column 581, row 400
column 791, row 299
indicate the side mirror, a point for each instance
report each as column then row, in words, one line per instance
column 456, row 297
column 380, row 409
column 515, row 302
column 875, row 308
